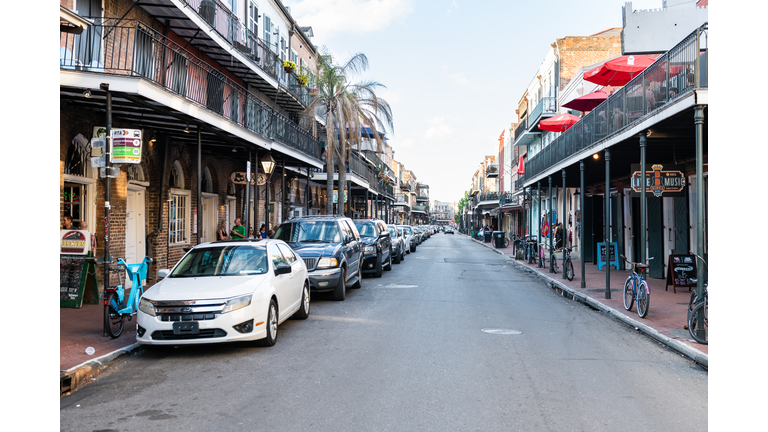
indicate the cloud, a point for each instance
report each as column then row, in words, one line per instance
column 438, row 129
column 453, row 7
column 458, row 78
column 329, row 17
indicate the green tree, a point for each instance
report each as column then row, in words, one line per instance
column 347, row 107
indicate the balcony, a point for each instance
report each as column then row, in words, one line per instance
column 630, row 105
column 492, row 170
column 405, row 186
column 131, row 48
column 547, row 107
column 420, row 209
column 402, row 200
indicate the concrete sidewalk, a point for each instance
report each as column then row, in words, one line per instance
column 667, row 313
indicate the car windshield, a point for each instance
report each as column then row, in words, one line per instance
column 392, row 231
column 366, row 229
column 229, row 260
column 308, row 232
column 407, row 230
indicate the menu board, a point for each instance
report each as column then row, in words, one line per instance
column 680, row 270
column 75, row 274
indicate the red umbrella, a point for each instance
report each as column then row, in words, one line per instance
column 587, row 102
column 618, row 71
column 560, row 123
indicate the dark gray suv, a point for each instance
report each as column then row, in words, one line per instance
column 330, row 247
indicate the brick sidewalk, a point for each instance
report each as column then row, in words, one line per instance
column 667, row 313
column 82, row 328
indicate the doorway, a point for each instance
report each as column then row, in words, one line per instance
column 210, row 217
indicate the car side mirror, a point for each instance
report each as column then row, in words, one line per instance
column 348, row 239
column 282, row 269
column 162, row 274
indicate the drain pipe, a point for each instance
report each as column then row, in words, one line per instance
column 156, row 232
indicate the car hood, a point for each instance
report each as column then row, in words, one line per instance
column 202, row 288
column 367, row 240
column 313, row 250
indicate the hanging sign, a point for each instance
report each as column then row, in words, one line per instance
column 336, row 196
column 126, row 146
column 74, row 242
column 658, row 181
column 238, row 178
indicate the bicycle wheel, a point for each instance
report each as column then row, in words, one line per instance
column 643, row 299
column 506, row 242
column 569, row 269
column 694, row 324
column 113, row 321
column 553, row 264
column 692, row 300
column 629, row 293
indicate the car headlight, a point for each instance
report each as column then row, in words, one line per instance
column 369, row 250
column 147, row 307
column 327, row 262
column 237, row 303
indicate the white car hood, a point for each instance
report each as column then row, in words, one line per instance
column 203, row 288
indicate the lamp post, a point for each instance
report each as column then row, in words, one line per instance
column 268, row 164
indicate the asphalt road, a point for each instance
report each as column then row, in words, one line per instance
column 407, row 352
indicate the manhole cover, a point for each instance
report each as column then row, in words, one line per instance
column 502, row 331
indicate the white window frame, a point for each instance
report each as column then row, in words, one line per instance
column 175, row 194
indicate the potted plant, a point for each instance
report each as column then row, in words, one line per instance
column 313, row 91
column 302, row 79
column 289, row 66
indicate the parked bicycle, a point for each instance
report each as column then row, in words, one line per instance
column 567, row 263
column 531, row 252
column 636, row 289
column 553, row 261
column 506, row 242
column 698, row 306
column 116, row 306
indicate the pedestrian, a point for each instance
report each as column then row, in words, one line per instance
column 84, row 226
column 238, row 231
column 558, row 235
column 263, row 231
column 221, row 234
column 67, row 223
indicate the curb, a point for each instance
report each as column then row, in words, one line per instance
column 697, row 356
column 76, row 375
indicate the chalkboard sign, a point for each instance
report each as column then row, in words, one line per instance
column 75, row 274
column 612, row 258
column 680, row 270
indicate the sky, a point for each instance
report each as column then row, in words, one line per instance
column 454, row 70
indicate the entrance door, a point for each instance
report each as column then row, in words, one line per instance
column 589, row 241
column 134, row 227
column 598, row 224
column 210, row 219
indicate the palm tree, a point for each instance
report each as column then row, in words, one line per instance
column 347, row 107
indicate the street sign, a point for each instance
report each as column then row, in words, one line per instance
column 114, row 172
column 126, row 146
column 98, row 162
column 99, row 142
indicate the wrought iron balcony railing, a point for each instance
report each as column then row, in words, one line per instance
column 674, row 74
column 262, row 54
column 129, row 47
column 521, row 128
column 547, row 105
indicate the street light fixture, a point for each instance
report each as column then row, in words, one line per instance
column 268, row 164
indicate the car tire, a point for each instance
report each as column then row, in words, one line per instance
column 379, row 266
column 398, row 258
column 340, row 292
column 359, row 283
column 389, row 261
column 271, row 324
column 303, row 311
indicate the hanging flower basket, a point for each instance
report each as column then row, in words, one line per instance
column 313, row 91
column 289, row 66
column 302, row 79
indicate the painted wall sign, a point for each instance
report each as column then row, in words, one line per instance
column 126, row 146
column 238, row 178
column 658, row 181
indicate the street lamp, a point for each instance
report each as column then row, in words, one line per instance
column 268, row 164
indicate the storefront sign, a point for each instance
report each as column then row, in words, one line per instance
column 126, row 146
column 238, row 178
column 74, row 242
column 658, row 181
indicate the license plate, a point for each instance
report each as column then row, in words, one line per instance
column 186, row 328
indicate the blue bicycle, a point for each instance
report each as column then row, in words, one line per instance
column 116, row 306
column 636, row 289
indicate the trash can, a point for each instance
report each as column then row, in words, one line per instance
column 498, row 237
column 488, row 235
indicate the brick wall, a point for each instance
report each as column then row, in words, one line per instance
column 577, row 52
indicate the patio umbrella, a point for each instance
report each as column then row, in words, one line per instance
column 560, row 123
column 587, row 102
column 618, row 71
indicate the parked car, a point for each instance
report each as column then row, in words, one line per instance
column 448, row 230
column 398, row 243
column 418, row 234
column 377, row 245
column 330, row 246
column 224, row 291
column 410, row 239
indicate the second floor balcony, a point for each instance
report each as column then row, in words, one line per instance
column 492, row 170
column 129, row 48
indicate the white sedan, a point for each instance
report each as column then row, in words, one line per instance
column 225, row 291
